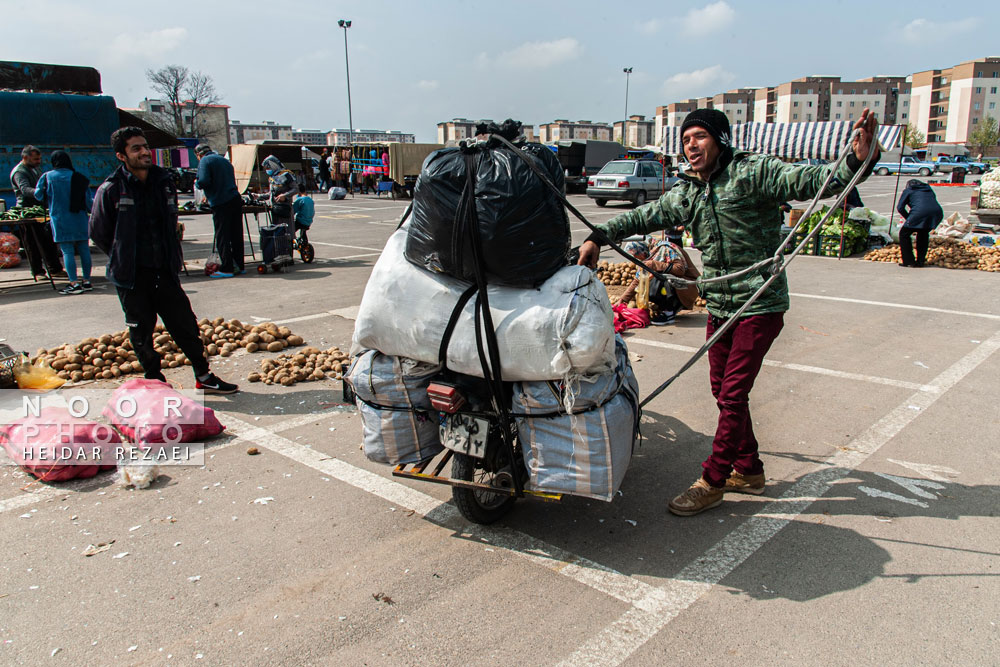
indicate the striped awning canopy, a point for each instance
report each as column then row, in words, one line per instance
column 795, row 141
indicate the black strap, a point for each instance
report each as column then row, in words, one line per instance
column 452, row 321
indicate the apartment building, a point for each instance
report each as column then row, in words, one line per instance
column 765, row 104
column 671, row 115
column 309, row 137
column 948, row 104
column 344, row 137
column 244, row 133
column 458, row 129
column 804, row 100
column 638, row 131
column 738, row 104
column 565, row 130
column 207, row 122
column 888, row 97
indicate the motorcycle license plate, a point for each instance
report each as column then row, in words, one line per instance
column 464, row 434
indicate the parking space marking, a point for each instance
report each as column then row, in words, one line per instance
column 582, row 570
column 623, row 637
column 352, row 247
column 886, row 304
column 350, row 313
column 818, row 370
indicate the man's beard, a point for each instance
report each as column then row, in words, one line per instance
column 137, row 164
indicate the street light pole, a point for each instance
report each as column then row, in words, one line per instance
column 627, row 71
column 350, row 120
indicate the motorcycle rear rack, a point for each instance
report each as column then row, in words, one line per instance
column 417, row 471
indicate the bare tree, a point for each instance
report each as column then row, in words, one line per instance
column 185, row 95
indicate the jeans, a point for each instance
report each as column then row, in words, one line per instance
column 69, row 250
column 160, row 293
column 906, row 246
column 734, row 362
column 228, row 220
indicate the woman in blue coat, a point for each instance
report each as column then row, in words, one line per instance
column 919, row 207
column 68, row 196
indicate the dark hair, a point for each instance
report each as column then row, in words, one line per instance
column 302, row 189
column 120, row 137
column 29, row 150
column 60, row 160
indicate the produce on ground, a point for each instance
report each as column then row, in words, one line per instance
column 111, row 355
column 305, row 365
column 617, row 277
column 948, row 253
column 989, row 190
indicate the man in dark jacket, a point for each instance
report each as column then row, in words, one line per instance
column 134, row 221
column 217, row 179
column 919, row 207
column 729, row 201
column 36, row 238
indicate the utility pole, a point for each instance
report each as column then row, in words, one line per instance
column 628, row 72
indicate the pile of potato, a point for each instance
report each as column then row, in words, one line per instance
column 305, row 366
column 620, row 273
column 111, row 355
column 946, row 252
column 107, row 357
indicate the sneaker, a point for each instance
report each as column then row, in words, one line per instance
column 220, row 274
column 87, row 287
column 662, row 319
column 740, row 483
column 158, row 377
column 75, row 288
column 700, row 497
column 213, row 385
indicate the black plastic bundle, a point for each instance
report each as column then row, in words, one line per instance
column 523, row 225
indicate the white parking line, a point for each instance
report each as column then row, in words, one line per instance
column 885, row 304
column 914, row 386
column 577, row 568
column 350, row 313
column 341, row 245
column 635, row 627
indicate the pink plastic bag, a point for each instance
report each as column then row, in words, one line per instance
column 630, row 318
column 162, row 414
column 56, row 446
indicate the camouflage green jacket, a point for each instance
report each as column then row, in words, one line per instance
column 735, row 222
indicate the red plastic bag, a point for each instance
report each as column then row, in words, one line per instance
column 56, row 446
column 9, row 244
column 8, row 260
column 162, row 414
column 630, row 318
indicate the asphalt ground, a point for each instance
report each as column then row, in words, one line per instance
column 875, row 543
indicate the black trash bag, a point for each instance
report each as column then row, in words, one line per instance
column 523, row 225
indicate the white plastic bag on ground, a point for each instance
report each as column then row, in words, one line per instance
column 564, row 327
column 407, row 434
column 586, row 453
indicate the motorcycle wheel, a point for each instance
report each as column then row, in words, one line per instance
column 308, row 252
column 476, row 505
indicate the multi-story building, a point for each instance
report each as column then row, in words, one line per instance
column 638, row 131
column 343, row 137
column 458, row 129
column 310, row 137
column 765, row 104
column 564, row 130
column 206, row 122
column 948, row 104
column 671, row 115
column 738, row 105
column 804, row 100
column 268, row 130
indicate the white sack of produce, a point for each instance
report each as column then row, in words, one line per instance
column 408, row 433
column 562, row 328
column 585, row 453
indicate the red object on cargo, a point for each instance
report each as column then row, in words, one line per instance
column 56, row 446
column 445, row 398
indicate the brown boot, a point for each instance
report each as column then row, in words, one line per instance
column 700, row 497
column 740, row 483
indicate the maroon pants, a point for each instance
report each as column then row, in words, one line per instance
column 734, row 362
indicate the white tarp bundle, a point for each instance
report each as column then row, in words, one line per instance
column 399, row 423
column 562, row 328
column 794, row 141
column 585, row 453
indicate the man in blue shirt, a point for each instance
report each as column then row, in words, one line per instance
column 304, row 210
column 217, row 179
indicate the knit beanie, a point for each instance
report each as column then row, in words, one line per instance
column 716, row 124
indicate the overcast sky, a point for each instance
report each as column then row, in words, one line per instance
column 416, row 63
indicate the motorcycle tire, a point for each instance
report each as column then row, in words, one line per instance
column 477, row 506
column 307, row 252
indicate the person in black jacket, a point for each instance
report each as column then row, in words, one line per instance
column 217, row 179
column 919, row 207
column 134, row 221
